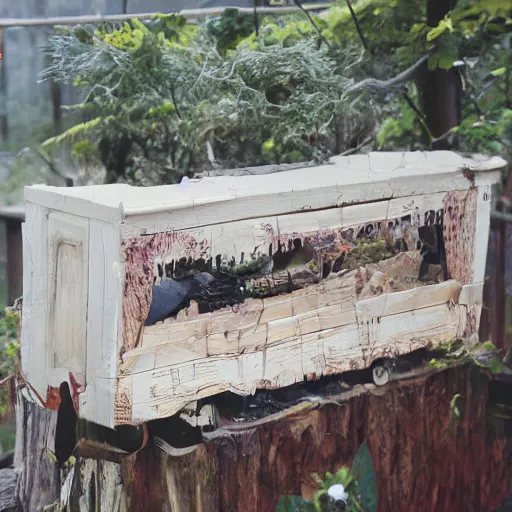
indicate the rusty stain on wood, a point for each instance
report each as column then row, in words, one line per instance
column 459, row 223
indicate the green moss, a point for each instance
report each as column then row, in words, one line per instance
column 495, row 366
column 367, row 252
column 251, row 266
column 438, row 364
column 313, row 266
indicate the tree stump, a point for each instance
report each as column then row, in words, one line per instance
column 37, row 475
column 424, row 457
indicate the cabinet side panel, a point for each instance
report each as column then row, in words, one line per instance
column 103, row 322
column 68, row 254
column 483, row 222
column 105, row 299
column 35, row 299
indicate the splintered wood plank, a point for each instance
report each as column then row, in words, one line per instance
column 342, row 349
column 304, row 301
column 313, row 356
column 404, row 332
column 275, row 308
column 324, row 318
column 180, row 352
column 282, row 329
column 139, row 360
column 408, row 300
column 172, row 332
column 283, row 364
column 223, row 343
column 249, row 326
column 163, row 392
column 459, row 234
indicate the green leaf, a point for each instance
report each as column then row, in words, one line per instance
column 294, row 504
column 499, row 71
column 364, row 472
column 390, row 128
column 441, row 28
column 445, row 61
column 433, row 61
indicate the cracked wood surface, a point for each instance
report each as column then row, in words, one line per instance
column 316, row 342
column 307, row 224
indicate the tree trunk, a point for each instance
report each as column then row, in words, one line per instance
column 441, row 89
column 38, row 479
column 424, row 458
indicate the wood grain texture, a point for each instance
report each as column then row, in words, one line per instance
column 68, row 280
column 104, row 323
column 34, row 320
column 37, row 475
column 115, row 243
column 460, row 233
column 161, row 392
column 146, row 259
column 407, row 426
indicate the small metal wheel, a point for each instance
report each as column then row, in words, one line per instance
column 381, row 375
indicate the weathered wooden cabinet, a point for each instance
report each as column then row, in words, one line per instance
column 145, row 300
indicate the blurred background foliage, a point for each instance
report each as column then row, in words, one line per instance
column 163, row 98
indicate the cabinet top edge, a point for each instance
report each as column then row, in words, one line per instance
column 113, row 203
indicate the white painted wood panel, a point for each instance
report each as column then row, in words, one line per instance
column 106, row 280
column 415, row 206
column 310, row 222
column 68, row 238
column 471, row 294
column 363, row 213
column 483, row 220
column 34, row 318
column 243, row 237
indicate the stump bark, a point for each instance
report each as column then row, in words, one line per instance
column 424, row 457
column 37, row 475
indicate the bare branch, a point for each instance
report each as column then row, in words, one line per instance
column 351, row 151
column 356, row 23
column 312, row 21
column 385, row 85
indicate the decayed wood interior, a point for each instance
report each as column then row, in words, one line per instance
column 309, row 303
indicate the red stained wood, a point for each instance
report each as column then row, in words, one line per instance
column 424, row 460
column 459, row 233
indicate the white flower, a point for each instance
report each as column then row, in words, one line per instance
column 337, row 493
